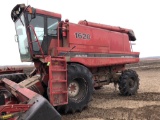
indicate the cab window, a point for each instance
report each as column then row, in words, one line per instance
column 52, row 24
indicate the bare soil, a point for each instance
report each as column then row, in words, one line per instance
column 108, row 104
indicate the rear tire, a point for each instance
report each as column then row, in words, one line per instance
column 128, row 83
column 15, row 77
column 80, row 89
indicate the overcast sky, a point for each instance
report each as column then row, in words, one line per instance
column 140, row 15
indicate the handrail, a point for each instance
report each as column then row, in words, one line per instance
column 58, row 33
column 30, row 26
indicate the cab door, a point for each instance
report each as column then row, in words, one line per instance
column 52, row 33
column 38, row 24
column 46, row 29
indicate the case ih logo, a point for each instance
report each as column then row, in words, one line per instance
column 83, row 36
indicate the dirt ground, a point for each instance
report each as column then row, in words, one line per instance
column 110, row 105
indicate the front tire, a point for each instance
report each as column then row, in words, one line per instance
column 128, row 83
column 80, row 89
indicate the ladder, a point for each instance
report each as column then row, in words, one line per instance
column 58, row 88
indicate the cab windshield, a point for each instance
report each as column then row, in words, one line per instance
column 22, row 39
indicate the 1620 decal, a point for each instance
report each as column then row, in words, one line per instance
column 82, row 36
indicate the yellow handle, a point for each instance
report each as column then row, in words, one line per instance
column 5, row 117
column 48, row 63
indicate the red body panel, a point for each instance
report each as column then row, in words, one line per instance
column 39, row 11
column 94, row 62
column 111, row 41
column 107, row 27
column 103, row 48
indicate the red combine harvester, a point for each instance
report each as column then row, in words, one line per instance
column 71, row 60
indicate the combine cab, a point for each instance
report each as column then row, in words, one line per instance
column 71, row 60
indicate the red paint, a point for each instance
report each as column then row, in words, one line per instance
column 48, row 13
column 101, row 42
column 14, row 108
column 102, row 39
column 102, row 26
column 22, row 93
column 58, row 81
column 90, row 62
column 9, row 70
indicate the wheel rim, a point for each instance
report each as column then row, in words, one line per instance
column 73, row 89
column 77, row 89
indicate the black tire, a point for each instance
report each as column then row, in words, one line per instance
column 81, row 76
column 4, row 94
column 128, row 83
column 15, row 77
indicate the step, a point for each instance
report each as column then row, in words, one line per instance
column 62, row 92
column 53, row 81
column 58, row 59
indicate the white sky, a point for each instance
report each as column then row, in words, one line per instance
column 140, row 15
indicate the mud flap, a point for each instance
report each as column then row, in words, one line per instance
column 40, row 110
